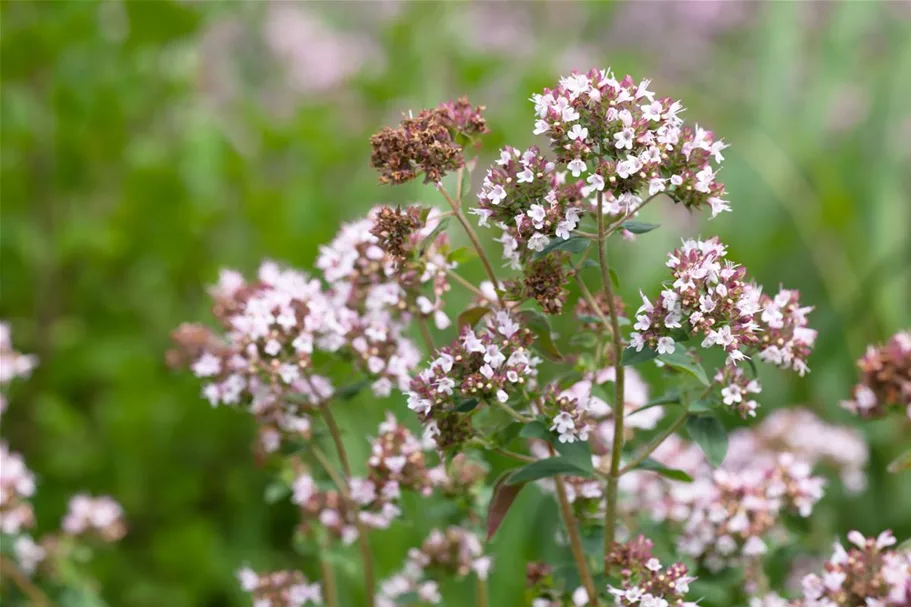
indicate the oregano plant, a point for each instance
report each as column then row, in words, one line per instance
column 658, row 503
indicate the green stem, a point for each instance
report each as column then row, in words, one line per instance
column 473, row 236
column 513, row 413
column 654, row 444
column 610, row 511
column 480, row 593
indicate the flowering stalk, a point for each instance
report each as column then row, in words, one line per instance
column 610, row 511
column 480, row 592
column 330, row 588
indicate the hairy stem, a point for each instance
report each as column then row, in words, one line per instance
column 473, row 236
column 656, row 442
column 610, row 511
column 575, row 541
column 9, row 569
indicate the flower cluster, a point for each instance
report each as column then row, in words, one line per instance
column 544, row 282
column 645, row 582
column 733, row 512
column 809, row 438
column 885, row 378
column 868, row 574
column 786, row 340
column 712, row 297
column 454, row 552
column 491, row 364
column 279, row 588
column 100, row 516
column 426, row 143
column 627, row 140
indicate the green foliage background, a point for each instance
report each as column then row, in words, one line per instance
column 131, row 172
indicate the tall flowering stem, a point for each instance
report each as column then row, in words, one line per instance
column 9, row 569
column 610, row 512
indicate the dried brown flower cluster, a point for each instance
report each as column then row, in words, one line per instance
column 885, row 378
column 394, row 228
column 544, row 281
column 426, row 143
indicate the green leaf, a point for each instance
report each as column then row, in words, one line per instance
column 703, row 405
column 546, row 468
column 504, row 494
column 902, row 462
column 710, row 435
column 536, row 429
column 276, row 491
column 508, row 433
column 409, row 598
column 538, row 323
column 351, row 390
column 589, row 263
column 684, row 361
column 632, row 358
column 462, row 254
column 614, row 279
column 573, row 244
column 466, row 405
column 639, row 227
column 583, row 340
column 578, row 452
column 471, row 316
column 671, row 473
column 567, row 577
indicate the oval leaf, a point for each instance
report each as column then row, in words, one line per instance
column 639, row 227
column 631, row 357
column 504, row 494
column 710, row 435
column 671, row 473
column 573, row 244
column 578, row 452
column 546, row 468
column 471, row 316
column 467, row 405
column 538, row 323
column 684, row 361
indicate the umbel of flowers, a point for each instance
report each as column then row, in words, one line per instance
column 53, row 560
column 571, row 413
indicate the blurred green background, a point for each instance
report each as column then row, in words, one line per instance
column 147, row 144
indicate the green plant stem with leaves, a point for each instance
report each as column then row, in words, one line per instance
column 656, row 442
column 610, row 511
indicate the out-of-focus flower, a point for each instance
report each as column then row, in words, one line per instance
column 454, row 552
column 279, row 588
column 17, row 486
column 885, row 378
column 100, row 516
column 868, row 574
column 13, row 364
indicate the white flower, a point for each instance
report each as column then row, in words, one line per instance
column 578, row 132
column 666, row 345
column 496, row 194
column 577, row 167
column 538, row 241
column 537, row 214
column 525, row 176
column 624, row 139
